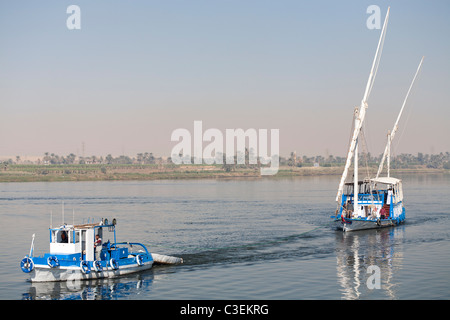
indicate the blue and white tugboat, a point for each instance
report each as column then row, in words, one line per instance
column 371, row 202
column 78, row 252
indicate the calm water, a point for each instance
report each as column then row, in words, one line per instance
column 240, row 239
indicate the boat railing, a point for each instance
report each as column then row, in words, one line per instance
column 370, row 197
column 130, row 244
column 366, row 197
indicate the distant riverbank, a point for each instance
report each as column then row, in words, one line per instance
column 37, row 173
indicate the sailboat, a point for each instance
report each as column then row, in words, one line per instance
column 372, row 202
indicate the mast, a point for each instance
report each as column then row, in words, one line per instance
column 388, row 156
column 362, row 110
column 355, row 173
column 391, row 135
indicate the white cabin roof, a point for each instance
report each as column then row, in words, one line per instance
column 386, row 180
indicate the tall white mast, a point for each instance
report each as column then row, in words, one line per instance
column 388, row 156
column 391, row 135
column 355, row 166
column 362, row 111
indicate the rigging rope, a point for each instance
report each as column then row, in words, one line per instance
column 403, row 129
column 365, row 153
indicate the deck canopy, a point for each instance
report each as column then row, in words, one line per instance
column 386, row 180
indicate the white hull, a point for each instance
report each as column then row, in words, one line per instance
column 43, row 273
column 355, row 224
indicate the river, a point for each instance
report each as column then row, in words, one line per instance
column 240, row 239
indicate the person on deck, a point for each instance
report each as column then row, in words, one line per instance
column 383, row 213
column 97, row 246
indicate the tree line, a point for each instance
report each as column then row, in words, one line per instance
column 404, row 160
column 401, row 161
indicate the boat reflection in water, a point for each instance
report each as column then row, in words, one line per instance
column 356, row 252
column 100, row 289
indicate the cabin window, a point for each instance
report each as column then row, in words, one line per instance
column 77, row 236
column 65, row 236
column 60, row 236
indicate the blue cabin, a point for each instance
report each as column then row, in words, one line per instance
column 380, row 198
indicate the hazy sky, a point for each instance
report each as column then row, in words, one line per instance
column 137, row 70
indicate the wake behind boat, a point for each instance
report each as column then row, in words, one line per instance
column 372, row 202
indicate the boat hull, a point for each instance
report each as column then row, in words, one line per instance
column 361, row 224
column 44, row 273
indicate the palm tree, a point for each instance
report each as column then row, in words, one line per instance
column 109, row 159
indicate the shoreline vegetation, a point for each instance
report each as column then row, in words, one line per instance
column 144, row 166
column 115, row 172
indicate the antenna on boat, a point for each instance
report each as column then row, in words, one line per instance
column 51, row 219
column 32, row 246
column 73, row 217
column 63, row 212
column 391, row 135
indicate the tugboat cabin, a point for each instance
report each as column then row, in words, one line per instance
column 77, row 242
